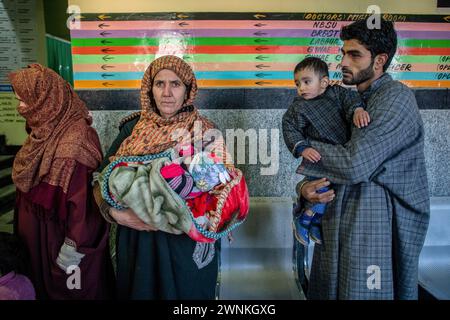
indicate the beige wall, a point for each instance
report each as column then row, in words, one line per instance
column 351, row 6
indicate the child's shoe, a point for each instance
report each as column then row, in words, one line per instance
column 315, row 231
column 301, row 225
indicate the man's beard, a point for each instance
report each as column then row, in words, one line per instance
column 361, row 76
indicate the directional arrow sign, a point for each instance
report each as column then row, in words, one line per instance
column 260, row 40
column 261, row 48
column 105, row 75
column 104, row 41
column 107, row 50
column 262, row 75
column 259, row 25
column 261, row 57
column 261, row 83
column 107, row 84
column 104, row 33
column 259, row 16
column 182, row 16
column 105, row 66
column 259, row 33
column 103, row 17
column 103, row 25
column 260, row 66
column 183, row 24
column 107, row 57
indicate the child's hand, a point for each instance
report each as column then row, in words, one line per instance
column 361, row 118
column 311, row 155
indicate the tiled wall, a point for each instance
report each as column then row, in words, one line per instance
column 263, row 109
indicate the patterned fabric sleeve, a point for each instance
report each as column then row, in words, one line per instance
column 390, row 131
column 293, row 124
column 349, row 100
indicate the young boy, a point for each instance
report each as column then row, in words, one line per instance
column 320, row 112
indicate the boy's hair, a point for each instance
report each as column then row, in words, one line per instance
column 382, row 40
column 315, row 64
column 13, row 255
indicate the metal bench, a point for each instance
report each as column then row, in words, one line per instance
column 434, row 262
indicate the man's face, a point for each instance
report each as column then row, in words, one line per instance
column 357, row 63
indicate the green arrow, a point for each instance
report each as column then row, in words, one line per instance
column 228, row 41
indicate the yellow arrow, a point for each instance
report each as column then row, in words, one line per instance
column 447, row 18
column 103, row 17
column 259, row 16
column 182, row 16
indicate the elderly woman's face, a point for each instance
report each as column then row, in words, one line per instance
column 169, row 93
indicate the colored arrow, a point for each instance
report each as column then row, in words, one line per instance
column 259, row 16
column 103, row 17
column 104, row 33
column 260, row 66
column 106, row 84
column 262, row 75
column 107, row 50
column 105, row 41
column 259, row 25
column 105, row 75
column 261, row 57
column 261, row 83
column 259, row 33
column 107, row 57
column 261, row 48
column 182, row 16
column 105, row 66
column 102, row 25
column 183, row 24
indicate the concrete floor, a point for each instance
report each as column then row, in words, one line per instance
column 258, row 274
column 257, row 264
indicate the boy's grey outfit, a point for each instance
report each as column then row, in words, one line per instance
column 325, row 118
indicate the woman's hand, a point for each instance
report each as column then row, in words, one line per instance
column 128, row 218
column 309, row 191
